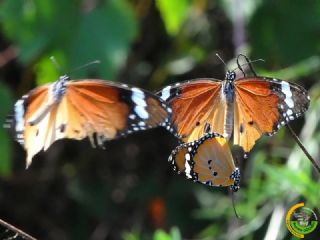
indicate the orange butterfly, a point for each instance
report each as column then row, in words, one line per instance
column 247, row 107
column 98, row 109
column 208, row 161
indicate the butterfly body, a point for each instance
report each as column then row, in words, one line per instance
column 228, row 87
column 247, row 107
column 59, row 87
column 98, row 109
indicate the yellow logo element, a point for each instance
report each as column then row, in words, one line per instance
column 301, row 220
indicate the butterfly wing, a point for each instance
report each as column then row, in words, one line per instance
column 197, row 107
column 207, row 161
column 262, row 105
column 97, row 109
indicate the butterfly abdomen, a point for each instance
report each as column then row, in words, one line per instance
column 227, row 93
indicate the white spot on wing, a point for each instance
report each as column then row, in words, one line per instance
column 142, row 124
column 187, row 165
column 138, row 97
column 132, row 116
column 285, row 88
column 165, row 93
column 289, row 112
column 18, row 115
column 141, row 112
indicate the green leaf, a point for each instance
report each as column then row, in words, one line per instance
column 34, row 26
column 161, row 235
column 173, row 13
column 133, row 235
column 41, row 28
column 5, row 143
column 47, row 71
column 104, row 34
column 175, row 233
column 289, row 34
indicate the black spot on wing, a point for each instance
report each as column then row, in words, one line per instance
column 241, row 128
column 62, row 128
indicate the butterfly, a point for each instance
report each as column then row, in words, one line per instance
column 248, row 107
column 98, row 109
column 207, row 160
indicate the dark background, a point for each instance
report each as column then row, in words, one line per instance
column 128, row 191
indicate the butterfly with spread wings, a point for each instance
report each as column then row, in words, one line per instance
column 248, row 107
column 98, row 109
column 207, row 160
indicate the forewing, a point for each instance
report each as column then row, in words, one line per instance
column 196, row 107
column 262, row 105
column 114, row 110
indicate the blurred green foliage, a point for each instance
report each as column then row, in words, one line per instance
column 173, row 13
column 128, row 191
column 5, row 143
column 66, row 30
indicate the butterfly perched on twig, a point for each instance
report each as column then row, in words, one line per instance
column 98, row 109
column 246, row 107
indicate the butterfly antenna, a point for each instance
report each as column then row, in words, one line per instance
column 56, row 64
column 220, row 58
column 296, row 138
column 248, row 62
column 86, row 65
column 233, row 205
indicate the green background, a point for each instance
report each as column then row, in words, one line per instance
column 75, row 192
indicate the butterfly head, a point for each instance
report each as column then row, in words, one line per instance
column 59, row 87
column 230, row 76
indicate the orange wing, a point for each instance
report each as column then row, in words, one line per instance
column 96, row 109
column 207, row 161
column 262, row 105
column 197, row 107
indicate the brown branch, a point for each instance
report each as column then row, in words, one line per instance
column 16, row 230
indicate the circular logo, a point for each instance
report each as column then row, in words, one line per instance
column 301, row 220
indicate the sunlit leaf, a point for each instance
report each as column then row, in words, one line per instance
column 161, row 235
column 174, row 13
column 47, row 71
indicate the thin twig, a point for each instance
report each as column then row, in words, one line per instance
column 16, row 230
column 296, row 138
column 233, row 205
